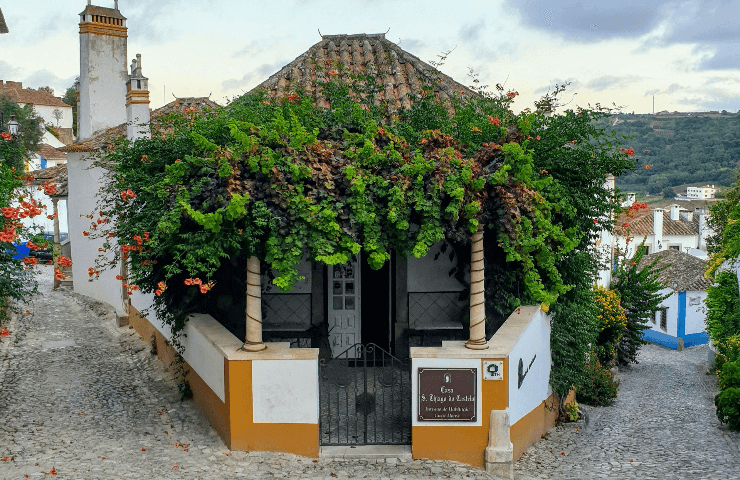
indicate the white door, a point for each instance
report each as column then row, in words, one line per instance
column 344, row 307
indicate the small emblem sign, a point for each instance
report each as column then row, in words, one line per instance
column 448, row 394
column 493, row 370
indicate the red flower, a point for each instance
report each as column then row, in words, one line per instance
column 512, row 94
column 423, row 141
column 4, row 333
column 188, row 281
column 332, row 72
column 5, row 136
column 595, row 221
column 64, row 261
column 537, row 137
column 85, row 234
column 110, row 234
column 648, row 167
column 158, row 292
column 625, row 225
column 50, row 189
column 30, row 260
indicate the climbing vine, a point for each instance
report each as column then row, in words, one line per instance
column 282, row 178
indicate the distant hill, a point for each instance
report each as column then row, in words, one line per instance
column 680, row 148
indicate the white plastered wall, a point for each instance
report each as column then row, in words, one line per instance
column 285, row 391
column 426, row 274
column 696, row 314
column 672, row 316
column 84, row 184
column 534, row 343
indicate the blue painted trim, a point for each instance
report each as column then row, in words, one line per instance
column 661, row 338
column 681, row 331
column 694, row 339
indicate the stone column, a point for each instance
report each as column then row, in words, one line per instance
column 253, row 341
column 477, row 339
column 57, row 249
column 500, row 450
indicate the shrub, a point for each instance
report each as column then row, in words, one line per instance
column 728, row 399
column 612, row 324
column 598, row 388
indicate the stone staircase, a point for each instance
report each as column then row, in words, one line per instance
column 67, row 282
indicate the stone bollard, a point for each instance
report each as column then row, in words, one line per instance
column 680, row 344
column 500, row 450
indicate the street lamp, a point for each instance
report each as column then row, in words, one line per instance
column 13, row 126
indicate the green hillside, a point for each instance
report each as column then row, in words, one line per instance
column 680, row 148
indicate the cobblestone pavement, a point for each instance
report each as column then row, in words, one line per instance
column 86, row 398
column 662, row 425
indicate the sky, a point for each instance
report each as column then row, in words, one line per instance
column 618, row 52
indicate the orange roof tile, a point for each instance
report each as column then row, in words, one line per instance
column 398, row 72
column 50, row 153
column 18, row 94
column 683, row 273
column 642, row 224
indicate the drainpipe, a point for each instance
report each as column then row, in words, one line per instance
column 253, row 342
column 477, row 340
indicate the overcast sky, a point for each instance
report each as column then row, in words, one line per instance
column 686, row 53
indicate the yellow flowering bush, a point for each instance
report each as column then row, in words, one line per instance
column 612, row 322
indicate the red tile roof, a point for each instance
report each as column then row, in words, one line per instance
column 642, row 224
column 104, row 139
column 3, row 25
column 50, row 153
column 683, row 273
column 57, row 174
column 18, row 94
column 398, row 72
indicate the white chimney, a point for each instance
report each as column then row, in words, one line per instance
column 137, row 103
column 658, row 229
column 675, row 209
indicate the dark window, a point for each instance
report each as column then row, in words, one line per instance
column 664, row 320
column 654, row 318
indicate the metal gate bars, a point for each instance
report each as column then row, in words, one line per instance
column 365, row 398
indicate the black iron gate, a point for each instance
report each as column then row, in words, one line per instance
column 365, row 398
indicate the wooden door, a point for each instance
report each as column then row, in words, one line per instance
column 344, row 307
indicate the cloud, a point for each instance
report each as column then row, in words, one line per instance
column 251, row 79
column 254, row 48
column 43, row 78
column 673, row 88
column 590, row 22
column 727, row 57
column 145, row 20
column 573, row 86
column 471, row 32
column 609, row 81
column 8, row 71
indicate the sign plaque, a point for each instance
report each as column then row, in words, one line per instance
column 493, row 370
column 448, row 394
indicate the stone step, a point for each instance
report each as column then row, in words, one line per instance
column 400, row 452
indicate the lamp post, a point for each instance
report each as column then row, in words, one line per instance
column 13, row 126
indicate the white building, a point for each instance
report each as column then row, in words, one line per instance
column 674, row 228
column 701, row 192
column 47, row 107
column 683, row 313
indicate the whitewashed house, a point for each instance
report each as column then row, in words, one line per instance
column 706, row 191
column 683, row 314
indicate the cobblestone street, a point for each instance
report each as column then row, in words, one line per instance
column 86, row 398
column 662, row 425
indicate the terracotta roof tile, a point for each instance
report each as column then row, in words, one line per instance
column 684, row 272
column 50, row 153
column 642, row 224
column 101, row 140
column 57, row 174
column 3, row 25
column 398, row 72
column 18, row 94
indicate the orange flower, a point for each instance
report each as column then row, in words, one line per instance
column 4, row 333
column 110, row 234
column 648, row 167
column 537, row 137
column 423, row 141
column 188, row 281
column 332, row 73
column 595, row 220
column 30, row 260
column 572, row 142
column 158, row 292
column 197, row 281
column 496, row 121
column 85, row 234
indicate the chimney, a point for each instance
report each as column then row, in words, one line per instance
column 704, row 231
column 658, row 229
column 675, row 209
column 137, row 103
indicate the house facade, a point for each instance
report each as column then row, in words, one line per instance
column 706, row 191
column 681, row 319
column 386, row 338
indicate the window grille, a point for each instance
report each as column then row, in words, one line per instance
column 664, row 320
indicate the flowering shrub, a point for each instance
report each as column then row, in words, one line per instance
column 612, row 324
column 598, row 388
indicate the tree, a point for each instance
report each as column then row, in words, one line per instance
column 669, row 193
column 30, row 125
column 70, row 98
column 58, row 115
column 47, row 89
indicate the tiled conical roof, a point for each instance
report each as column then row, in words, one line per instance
column 398, row 72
